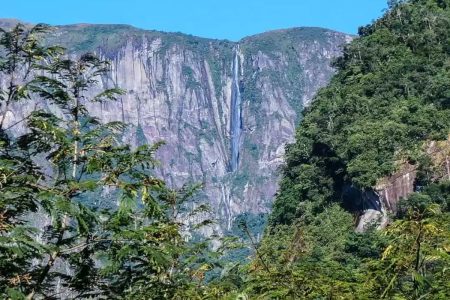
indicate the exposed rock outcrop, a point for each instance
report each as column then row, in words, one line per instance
column 396, row 187
column 383, row 201
column 180, row 90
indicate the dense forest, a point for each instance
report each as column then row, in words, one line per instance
column 387, row 106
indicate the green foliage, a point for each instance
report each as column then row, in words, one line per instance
column 387, row 101
column 415, row 262
column 85, row 38
column 135, row 251
column 321, row 257
column 318, row 243
column 188, row 73
column 19, row 176
column 274, row 41
column 388, row 98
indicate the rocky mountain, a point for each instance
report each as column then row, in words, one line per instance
column 225, row 109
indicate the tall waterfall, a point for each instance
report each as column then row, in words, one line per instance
column 236, row 118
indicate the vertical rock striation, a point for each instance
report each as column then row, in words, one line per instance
column 236, row 117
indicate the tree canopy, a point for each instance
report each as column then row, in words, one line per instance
column 387, row 105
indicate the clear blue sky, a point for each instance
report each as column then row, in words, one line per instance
column 230, row 19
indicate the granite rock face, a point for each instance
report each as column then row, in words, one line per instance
column 384, row 199
column 196, row 94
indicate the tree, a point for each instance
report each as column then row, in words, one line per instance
column 21, row 55
column 65, row 157
column 414, row 263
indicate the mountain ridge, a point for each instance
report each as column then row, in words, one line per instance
column 9, row 22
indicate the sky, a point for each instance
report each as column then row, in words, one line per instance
column 230, row 19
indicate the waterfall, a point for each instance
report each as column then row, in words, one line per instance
column 235, row 112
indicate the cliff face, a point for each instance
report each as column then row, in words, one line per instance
column 383, row 200
column 390, row 190
column 224, row 109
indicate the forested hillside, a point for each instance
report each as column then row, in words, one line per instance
column 387, row 107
